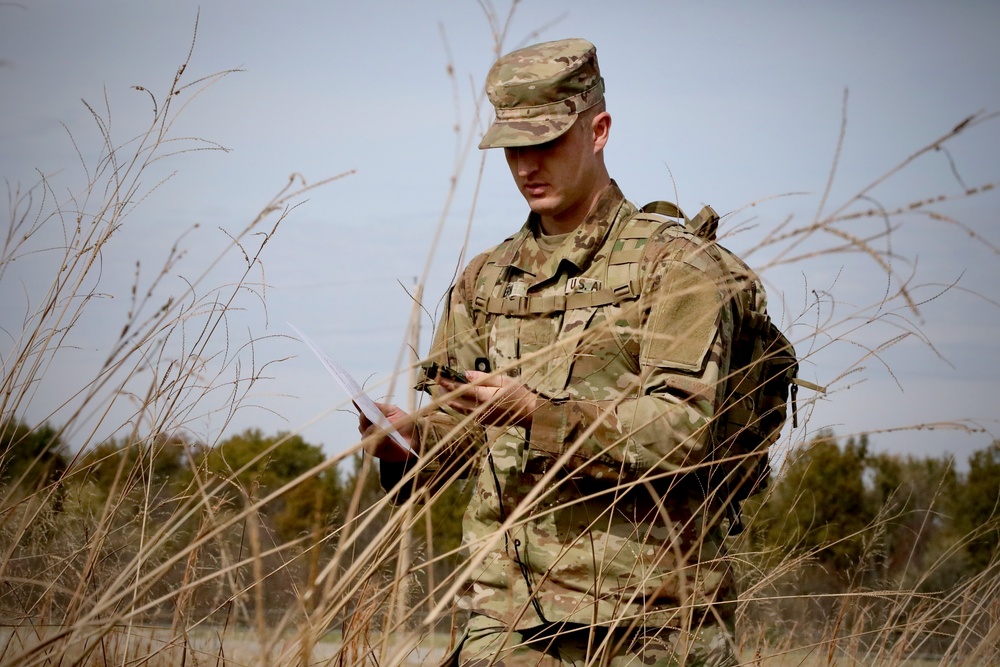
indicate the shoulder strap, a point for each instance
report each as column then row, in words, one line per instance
column 483, row 275
column 622, row 283
column 472, row 271
column 704, row 225
column 623, row 277
column 627, row 248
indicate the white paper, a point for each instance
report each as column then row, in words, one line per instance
column 354, row 390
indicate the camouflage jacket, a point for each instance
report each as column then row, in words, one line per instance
column 597, row 513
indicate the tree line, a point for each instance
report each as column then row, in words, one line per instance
column 54, row 501
column 854, row 541
column 836, row 518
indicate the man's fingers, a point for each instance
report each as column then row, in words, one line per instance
column 490, row 379
column 477, row 377
column 363, row 422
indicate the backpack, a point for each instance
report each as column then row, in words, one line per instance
column 762, row 380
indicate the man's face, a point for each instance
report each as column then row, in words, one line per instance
column 559, row 179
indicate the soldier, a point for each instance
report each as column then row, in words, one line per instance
column 590, row 347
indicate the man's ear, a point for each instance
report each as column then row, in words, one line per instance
column 601, row 127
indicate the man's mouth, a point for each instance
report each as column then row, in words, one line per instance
column 534, row 189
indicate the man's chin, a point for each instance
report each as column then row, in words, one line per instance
column 543, row 206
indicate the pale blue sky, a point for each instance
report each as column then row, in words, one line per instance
column 727, row 103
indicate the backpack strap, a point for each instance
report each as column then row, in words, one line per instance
column 622, row 283
column 705, row 225
column 488, row 271
column 482, row 277
column 626, row 255
column 471, row 275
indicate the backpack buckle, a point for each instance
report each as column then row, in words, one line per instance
column 624, row 292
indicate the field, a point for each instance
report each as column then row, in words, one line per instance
column 157, row 547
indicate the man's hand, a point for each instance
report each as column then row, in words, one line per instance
column 494, row 399
column 378, row 443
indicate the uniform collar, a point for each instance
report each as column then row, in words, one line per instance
column 578, row 249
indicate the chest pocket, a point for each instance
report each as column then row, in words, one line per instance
column 568, row 344
column 541, row 348
column 538, row 348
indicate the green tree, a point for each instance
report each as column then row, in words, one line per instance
column 915, row 500
column 29, row 457
column 263, row 461
column 164, row 460
column 156, row 469
column 980, row 511
column 818, row 503
column 262, row 464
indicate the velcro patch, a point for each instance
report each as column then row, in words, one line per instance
column 683, row 320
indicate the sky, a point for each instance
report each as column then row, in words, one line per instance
column 739, row 105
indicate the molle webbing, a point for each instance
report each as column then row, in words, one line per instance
column 621, row 282
column 546, row 305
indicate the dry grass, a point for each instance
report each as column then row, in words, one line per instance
column 146, row 575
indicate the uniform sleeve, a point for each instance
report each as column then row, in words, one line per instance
column 661, row 421
column 448, row 442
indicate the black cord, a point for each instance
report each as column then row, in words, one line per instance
column 525, row 572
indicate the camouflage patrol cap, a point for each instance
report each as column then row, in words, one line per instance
column 539, row 91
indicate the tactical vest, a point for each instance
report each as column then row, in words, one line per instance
column 762, row 374
column 500, row 305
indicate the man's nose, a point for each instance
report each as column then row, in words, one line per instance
column 527, row 161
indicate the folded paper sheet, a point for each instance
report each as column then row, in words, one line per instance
column 354, row 390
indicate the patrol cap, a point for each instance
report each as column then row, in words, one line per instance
column 539, row 91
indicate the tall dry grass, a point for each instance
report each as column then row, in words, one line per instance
column 144, row 574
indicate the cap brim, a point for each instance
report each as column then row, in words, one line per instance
column 519, row 133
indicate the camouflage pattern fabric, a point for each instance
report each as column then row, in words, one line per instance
column 596, row 516
column 562, row 645
column 538, row 92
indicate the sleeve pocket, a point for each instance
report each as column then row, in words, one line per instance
column 682, row 322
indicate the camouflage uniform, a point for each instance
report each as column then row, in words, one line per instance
column 596, row 516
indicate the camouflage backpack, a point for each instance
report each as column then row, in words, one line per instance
column 762, row 377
